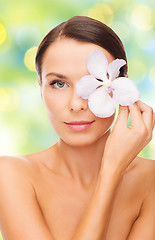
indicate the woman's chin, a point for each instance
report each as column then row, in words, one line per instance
column 80, row 141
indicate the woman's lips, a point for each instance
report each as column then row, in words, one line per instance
column 79, row 126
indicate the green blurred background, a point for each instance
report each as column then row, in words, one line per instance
column 24, row 126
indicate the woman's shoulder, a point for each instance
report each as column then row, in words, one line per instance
column 19, row 165
column 141, row 175
column 146, row 165
column 23, row 160
column 14, row 162
column 14, row 168
column 19, row 199
column 24, row 164
column 145, row 172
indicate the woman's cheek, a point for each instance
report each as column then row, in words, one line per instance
column 54, row 100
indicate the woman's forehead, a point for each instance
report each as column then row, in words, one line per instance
column 65, row 54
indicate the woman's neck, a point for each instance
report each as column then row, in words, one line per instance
column 82, row 164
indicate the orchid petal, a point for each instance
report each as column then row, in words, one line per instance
column 86, row 85
column 126, row 91
column 97, row 64
column 100, row 103
column 114, row 68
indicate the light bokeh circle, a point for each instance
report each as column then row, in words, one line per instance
column 29, row 59
column 3, row 33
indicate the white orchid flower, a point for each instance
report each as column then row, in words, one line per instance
column 103, row 80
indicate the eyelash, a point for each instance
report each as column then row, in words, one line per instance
column 56, row 81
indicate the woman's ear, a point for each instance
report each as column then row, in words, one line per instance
column 126, row 75
column 38, row 81
column 40, row 87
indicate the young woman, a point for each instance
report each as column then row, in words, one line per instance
column 90, row 185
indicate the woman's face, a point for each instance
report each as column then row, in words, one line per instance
column 65, row 61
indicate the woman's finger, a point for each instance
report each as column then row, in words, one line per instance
column 136, row 116
column 123, row 115
column 147, row 114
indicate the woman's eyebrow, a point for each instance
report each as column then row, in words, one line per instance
column 56, row 74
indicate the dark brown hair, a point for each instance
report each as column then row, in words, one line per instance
column 83, row 29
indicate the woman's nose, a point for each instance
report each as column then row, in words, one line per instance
column 77, row 103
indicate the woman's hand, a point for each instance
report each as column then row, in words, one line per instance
column 124, row 143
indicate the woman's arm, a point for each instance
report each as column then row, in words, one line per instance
column 123, row 145
column 95, row 221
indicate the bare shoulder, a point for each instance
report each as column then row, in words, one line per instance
column 140, row 178
column 12, row 160
column 24, row 163
column 18, row 172
column 15, row 171
column 145, row 170
column 29, row 165
column 19, row 199
column 19, row 165
column 146, row 165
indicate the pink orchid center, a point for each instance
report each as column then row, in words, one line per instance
column 110, row 89
column 107, row 84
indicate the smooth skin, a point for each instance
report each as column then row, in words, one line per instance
column 90, row 185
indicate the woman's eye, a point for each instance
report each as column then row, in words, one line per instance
column 58, row 84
